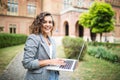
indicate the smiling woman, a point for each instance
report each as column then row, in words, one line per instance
column 40, row 50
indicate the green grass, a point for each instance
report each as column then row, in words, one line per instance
column 7, row 54
column 89, row 69
column 94, row 69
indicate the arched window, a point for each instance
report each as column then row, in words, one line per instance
column 66, row 28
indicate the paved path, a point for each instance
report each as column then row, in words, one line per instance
column 15, row 70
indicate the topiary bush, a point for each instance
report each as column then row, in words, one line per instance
column 72, row 47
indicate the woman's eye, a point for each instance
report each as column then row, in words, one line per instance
column 47, row 22
column 50, row 21
column 44, row 21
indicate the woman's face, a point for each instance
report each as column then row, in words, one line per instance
column 47, row 25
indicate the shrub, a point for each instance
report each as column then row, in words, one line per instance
column 108, row 45
column 102, row 53
column 72, row 47
column 11, row 39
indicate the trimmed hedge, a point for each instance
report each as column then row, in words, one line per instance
column 72, row 47
column 11, row 39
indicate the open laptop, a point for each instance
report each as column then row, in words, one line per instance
column 70, row 63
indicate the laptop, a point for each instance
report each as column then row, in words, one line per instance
column 70, row 65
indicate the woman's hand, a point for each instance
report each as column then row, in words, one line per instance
column 57, row 62
column 51, row 62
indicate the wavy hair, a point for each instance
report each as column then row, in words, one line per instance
column 37, row 24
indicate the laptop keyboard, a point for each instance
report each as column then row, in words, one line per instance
column 68, row 65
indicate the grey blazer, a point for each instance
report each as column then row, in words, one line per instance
column 36, row 49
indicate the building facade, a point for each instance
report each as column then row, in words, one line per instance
column 20, row 13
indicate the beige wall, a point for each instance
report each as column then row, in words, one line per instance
column 22, row 23
column 53, row 6
column 56, row 8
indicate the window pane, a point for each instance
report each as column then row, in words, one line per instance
column 10, row 30
column 14, row 30
column 34, row 10
column 28, row 7
column 16, row 8
column 8, row 6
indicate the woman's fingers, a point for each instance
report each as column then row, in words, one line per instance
column 57, row 62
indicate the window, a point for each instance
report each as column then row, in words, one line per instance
column 1, row 29
column 80, row 3
column 67, row 3
column 31, row 9
column 12, row 7
column 12, row 28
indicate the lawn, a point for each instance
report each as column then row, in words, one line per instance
column 93, row 69
column 7, row 54
column 89, row 69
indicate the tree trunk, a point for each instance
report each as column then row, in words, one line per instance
column 105, row 37
column 100, row 37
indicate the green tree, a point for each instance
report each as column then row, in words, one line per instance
column 99, row 18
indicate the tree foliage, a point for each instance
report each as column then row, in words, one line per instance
column 85, row 19
column 99, row 18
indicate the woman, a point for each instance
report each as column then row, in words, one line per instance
column 40, row 50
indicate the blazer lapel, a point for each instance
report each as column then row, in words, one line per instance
column 45, row 46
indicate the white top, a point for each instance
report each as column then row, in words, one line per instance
column 50, row 47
